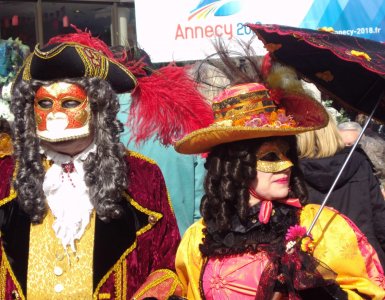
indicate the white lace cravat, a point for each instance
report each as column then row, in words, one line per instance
column 67, row 195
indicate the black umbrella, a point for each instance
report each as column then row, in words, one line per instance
column 350, row 69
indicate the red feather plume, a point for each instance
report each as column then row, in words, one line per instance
column 84, row 38
column 266, row 66
column 167, row 104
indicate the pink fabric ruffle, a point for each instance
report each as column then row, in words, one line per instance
column 235, row 277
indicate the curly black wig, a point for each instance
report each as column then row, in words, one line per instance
column 231, row 168
column 105, row 170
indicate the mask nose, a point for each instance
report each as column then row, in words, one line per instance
column 57, row 121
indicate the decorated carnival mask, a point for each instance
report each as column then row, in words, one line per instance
column 62, row 112
column 271, row 157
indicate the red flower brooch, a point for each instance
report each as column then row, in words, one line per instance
column 296, row 235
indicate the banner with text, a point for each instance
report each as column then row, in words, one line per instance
column 183, row 30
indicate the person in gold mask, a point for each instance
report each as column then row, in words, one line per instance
column 252, row 240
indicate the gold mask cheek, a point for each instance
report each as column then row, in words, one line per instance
column 273, row 166
column 41, row 117
column 38, row 120
column 278, row 148
column 78, row 117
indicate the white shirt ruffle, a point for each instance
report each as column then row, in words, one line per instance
column 67, row 196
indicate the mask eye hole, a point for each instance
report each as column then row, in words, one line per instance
column 70, row 103
column 271, row 156
column 45, row 103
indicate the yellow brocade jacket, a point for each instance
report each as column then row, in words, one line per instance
column 128, row 258
column 338, row 243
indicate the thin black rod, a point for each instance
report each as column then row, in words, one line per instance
column 344, row 165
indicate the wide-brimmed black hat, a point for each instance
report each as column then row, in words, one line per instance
column 74, row 60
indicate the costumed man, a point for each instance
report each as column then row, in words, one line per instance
column 80, row 216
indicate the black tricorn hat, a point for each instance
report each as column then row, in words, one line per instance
column 74, row 60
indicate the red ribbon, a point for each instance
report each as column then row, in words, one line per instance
column 68, row 167
column 267, row 206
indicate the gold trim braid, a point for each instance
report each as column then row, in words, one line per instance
column 118, row 283
column 141, row 156
column 113, row 269
column 96, row 65
column 51, row 53
column 164, row 274
column 12, row 195
column 117, row 268
column 121, row 280
column 27, row 69
column 124, row 277
column 3, row 278
column 146, row 211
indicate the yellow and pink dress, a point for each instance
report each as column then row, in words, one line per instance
column 337, row 242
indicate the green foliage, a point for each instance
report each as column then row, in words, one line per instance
column 339, row 115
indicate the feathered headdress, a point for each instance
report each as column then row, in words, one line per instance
column 262, row 99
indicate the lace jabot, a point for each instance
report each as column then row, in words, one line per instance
column 67, row 195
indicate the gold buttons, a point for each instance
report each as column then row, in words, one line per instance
column 59, row 288
column 58, row 271
column 152, row 220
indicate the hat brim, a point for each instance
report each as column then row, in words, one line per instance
column 309, row 113
column 203, row 140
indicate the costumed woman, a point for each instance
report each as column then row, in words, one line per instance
column 81, row 217
column 251, row 242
